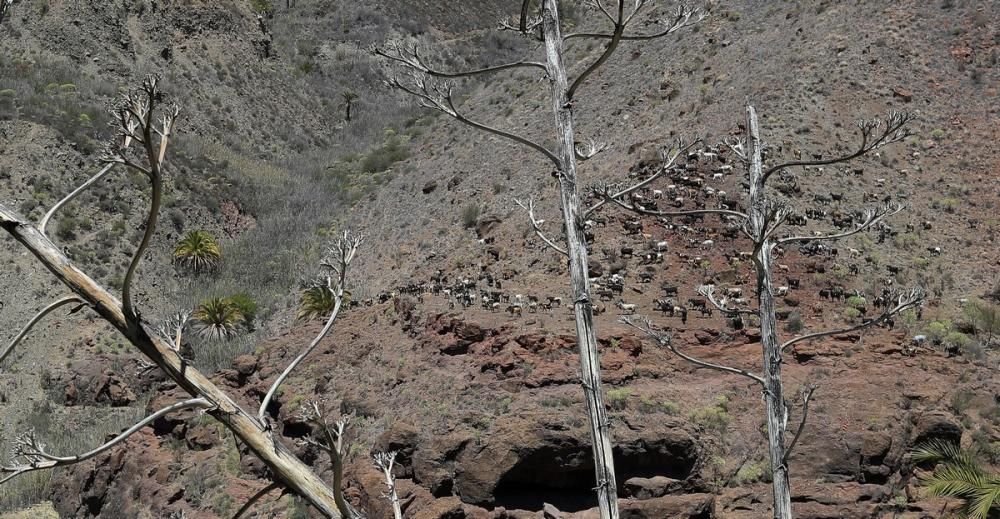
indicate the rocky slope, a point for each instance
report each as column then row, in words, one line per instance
column 485, row 407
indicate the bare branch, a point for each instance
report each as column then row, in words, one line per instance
column 32, row 455
column 875, row 133
column 385, row 461
column 173, row 329
column 339, row 258
column 669, row 159
column 409, row 57
column 137, row 119
column 536, row 224
column 77, row 191
column 738, row 147
column 872, row 217
column 708, row 291
column 333, row 444
column 904, row 301
column 592, row 149
column 676, row 214
column 807, row 394
column 683, row 17
column 34, row 320
column 440, row 98
column 256, row 497
column 664, row 339
column 616, row 37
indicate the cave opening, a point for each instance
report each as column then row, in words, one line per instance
column 563, row 475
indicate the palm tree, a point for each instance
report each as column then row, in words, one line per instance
column 349, row 97
column 317, row 301
column 217, row 318
column 198, row 251
column 960, row 475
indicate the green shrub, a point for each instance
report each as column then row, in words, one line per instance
column 856, row 302
column 851, row 313
column 794, row 323
column 66, row 230
column 753, row 472
column 265, row 7
column 470, row 215
column 316, row 301
column 618, row 398
column 198, row 251
column 714, row 417
column 246, row 306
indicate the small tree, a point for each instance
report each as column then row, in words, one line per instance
column 412, row 74
column 766, row 214
column 349, row 97
column 198, row 251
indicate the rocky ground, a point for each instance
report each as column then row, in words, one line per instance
column 485, row 407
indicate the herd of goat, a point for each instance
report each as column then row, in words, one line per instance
column 689, row 185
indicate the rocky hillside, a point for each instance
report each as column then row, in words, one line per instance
column 484, row 405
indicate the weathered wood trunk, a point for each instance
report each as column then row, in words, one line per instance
column 576, row 248
column 777, row 412
column 284, row 465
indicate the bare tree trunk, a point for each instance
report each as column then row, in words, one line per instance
column 777, row 412
column 576, row 247
column 285, row 466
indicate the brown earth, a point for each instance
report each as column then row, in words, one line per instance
column 485, row 407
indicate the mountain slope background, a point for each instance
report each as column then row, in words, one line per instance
column 485, row 406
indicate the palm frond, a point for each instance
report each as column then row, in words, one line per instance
column 317, row 301
column 217, row 318
column 198, row 251
column 986, row 500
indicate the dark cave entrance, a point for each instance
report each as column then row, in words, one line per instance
column 563, row 475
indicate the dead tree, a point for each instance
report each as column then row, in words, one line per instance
column 762, row 223
column 412, row 74
column 138, row 123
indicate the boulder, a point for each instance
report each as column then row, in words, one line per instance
column 648, row 488
column 936, row 426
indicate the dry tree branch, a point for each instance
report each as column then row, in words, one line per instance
column 129, row 125
column 676, row 214
column 872, row 217
column 665, row 340
column 905, row 301
column 409, row 57
column 32, row 452
column 592, row 149
column 34, row 320
column 136, row 122
column 536, row 224
column 875, row 133
column 256, row 497
column 385, row 461
column 807, row 393
column 333, row 444
column 620, row 23
column 440, row 98
column 669, row 159
column 173, row 329
column 339, row 257
column 683, row 17
column 708, row 291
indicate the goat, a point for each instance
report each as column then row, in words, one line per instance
column 626, row 307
